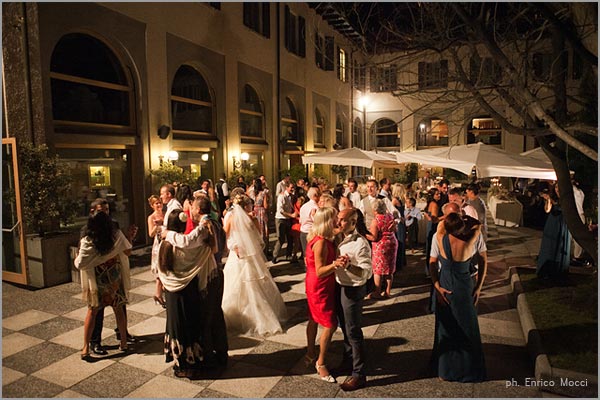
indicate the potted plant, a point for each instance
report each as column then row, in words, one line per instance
column 48, row 204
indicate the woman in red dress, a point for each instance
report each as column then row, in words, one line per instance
column 321, row 263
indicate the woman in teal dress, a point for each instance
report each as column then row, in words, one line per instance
column 554, row 257
column 457, row 350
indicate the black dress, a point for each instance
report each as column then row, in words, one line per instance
column 457, row 350
column 183, row 337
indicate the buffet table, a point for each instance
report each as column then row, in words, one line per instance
column 506, row 212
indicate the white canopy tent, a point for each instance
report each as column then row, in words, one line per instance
column 488, row 161
column 353, row 157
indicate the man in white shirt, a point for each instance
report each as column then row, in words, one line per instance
column 351, row 289
column 412, row 215
column 367, row 204
column 167, row 196
column 282, row 185
column 474, row 200
column 283, row 222
column 307, row 211
column 353, row 193
column 426, row 182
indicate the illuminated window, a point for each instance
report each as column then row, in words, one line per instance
column 432, row 132
column 485, row 130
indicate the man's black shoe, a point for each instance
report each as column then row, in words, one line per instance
column 98, row 349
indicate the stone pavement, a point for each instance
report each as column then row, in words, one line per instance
column 42, row 333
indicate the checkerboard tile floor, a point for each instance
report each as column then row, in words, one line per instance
column 42, row 334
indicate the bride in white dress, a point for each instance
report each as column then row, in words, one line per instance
column 252, row 304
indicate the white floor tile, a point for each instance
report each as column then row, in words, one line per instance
column 147, row 307
column 165, row 387
column 71, row 370
column 10, row 375
column 70, row 394
column 74, row 338
column 145, row 290
column 16, row 342
column 246, row 380
column 26, row 319
column 151, row 362
column 150, row 326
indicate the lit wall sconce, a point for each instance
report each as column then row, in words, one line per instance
column 204, row 157
column 163, row 131
column 240, row 164
column 173, row 156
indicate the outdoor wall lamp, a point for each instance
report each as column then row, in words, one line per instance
column 240, row 164
column 204, row 157
column 173, row 156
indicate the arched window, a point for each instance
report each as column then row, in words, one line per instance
column 485, row 130
column 289, row 123
column 340, row 134
column 357, row 134
column 89, row 86
column 191, row 103
column 432, row 132
column 251, row 114
column 385, row 133
column 319, row 128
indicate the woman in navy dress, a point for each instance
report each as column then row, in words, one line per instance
column 554, row 257
column 457, row 350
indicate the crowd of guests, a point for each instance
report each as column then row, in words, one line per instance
column 351, row 244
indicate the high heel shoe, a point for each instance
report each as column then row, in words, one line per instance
column 327, row 378
column 123, row 349
column 160, row 300
column 86, row 356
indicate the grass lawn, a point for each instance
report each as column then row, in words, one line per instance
column 566, row 314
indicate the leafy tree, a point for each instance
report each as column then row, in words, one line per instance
column 168, row 172
column 46, row 186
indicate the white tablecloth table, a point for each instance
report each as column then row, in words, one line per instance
column 506, row 212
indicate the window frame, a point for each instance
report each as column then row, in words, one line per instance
column 210, row 105
column 384, row 78
column 376, row 135
column 477, row 132
column 257, row 17
column 428, row 131
column 63, row 125
column 319, row 126
column 433, row 75
column 253, row 113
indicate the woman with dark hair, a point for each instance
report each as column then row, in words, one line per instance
column 457, row 350
column 554, row 257
column 183, row 336
column 104, row 266
column 432, row 214
column 185, row 196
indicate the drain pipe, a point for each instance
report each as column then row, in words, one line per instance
column 278, row 146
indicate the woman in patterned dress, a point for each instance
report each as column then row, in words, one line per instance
column 261, row 206
column 385, row 247
column 104, row 266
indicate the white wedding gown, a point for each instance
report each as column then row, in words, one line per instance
column 252, row 304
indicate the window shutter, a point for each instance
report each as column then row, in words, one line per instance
column 301, row 37
column 318, row 51
column 287, row 28
column 329, row 53
column 444, row 73
column 266, row 20
column 421, row 74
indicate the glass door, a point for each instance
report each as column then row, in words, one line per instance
column 14, row 265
